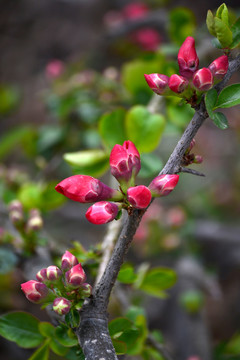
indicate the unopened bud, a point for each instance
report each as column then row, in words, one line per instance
column 36, row 292
column 61, row 306
column 187, row 58
column 42, row 275
column 16, row 212
column 203, row 79
column 177, row 83
column 198, row 159
column 158, row 83
column 75, row 277
column 68, row 261
column 219, row 67
column 102, row 212
column 162, row 185
column 53, row 273
column 139, row 196
column 86, row 290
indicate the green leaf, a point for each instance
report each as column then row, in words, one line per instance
column 66, row 336
column 150, row 353
column 89, row 162
column 223, row 32
column 30, row 195
column 233, row 346
column 210, row 101
column 133, row 313
column 22, row 328
column 111, row 128
column 220, row 120
column 182, row 24
column 192, row 301
column 50, row 197
column 72, row 318
column 57, row 348
column 150, row 165
column 228, row 97
column 158, row 279
column 118, row 326
column 13, row 139
column 8, row 260
column 144, row 129
column 46, row 329
column 49, row 136
column 178, row 113
column 120, row 347
column 210, row 23
column 41, row 354
column 126, row 274
column 75, row 353
column 9, row 99
column 222, row 13
column 236, row 34
column 130, row 337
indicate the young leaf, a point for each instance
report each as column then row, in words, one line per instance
column 144, row 129
column 210, row 23
column 22, row 328
column 220, row 120
column 223, row 32
column 126, row 274
column 111, row 128
column 210, row 101
column 41, row 354
column 228, row 97
column 222, row 13
column 236, row 34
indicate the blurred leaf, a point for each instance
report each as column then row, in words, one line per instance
column 41, row 354
column 58, row 348
column 49, row 135
column 8, row 260
column 66, row 336
column 182, row 24
column 150, row 353
column 111, row 128
column 179, row 114
column 229, row 96
column 118, row 326
column 9, row 99
column 223, row 32
column 192, row 300
column 144, row 129
column 236, row 34
column 50, row 197
column 126, row 274
column 220, row 120
column 120, row 347
column 72, row 318
column 46, row 329
column 22, row 328
column 75, row 353
column 150, row 165
column 13, row 139
column 133, row 313
column 233, row 346
column 210, row 101
column 30, row 195
column 89, row 162
column 210, row 23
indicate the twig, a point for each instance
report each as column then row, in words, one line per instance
column 190, row 171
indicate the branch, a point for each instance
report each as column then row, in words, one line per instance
column 93, row 331
column 190, row 171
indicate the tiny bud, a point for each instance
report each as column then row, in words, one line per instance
column 219, row 67
column 198, row 159
column 139, row 196
column 75, row 276
column 203, row 79
column 86, row 290
column 61, row 306
column 35, row 291
column 68, row 261
column 162, row 185
column 35, row 223
column 85, row 189
column 102, row 212
column 187, row 58
column 15, row 205
column 42, row 275
column 177, row 83
column 16, row 212
column 192, row 144
column 157, row 82
column 53, row 273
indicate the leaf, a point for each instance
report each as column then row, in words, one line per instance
column 179, row 114
column 223, row 32
column 220, row 120
column 30, row 195
column 130, row 337
column 222, row 13
column 236, row 34
column 66, row 336
column 41, row 354
column 46, row 329
column 88, row 162
column 150, row 353
column 233, row 346
column 49, row 136
column 144, row 129
column 150, row 165
column 120, row 347
column 51, row 199
column 13, row 139
column 228, row 97
column 126, row 274
column 118, row 326
column 7, row 260
column 22, row 328
column 192, row 301
column 158, row 279
column 57, row 348
column 9, row 99
column 182, row 24
column 210, row 23
column 111, row 128
column 75, row 353
column 210, row 101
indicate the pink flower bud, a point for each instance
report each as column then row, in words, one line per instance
column 125, row 161
column 86, row 290
column 177, row 83
column 35, row 291
column 85, row 189
column 147, row 38
column 139, row 196
column 75, row 276
column 102, row 212
column 157, row 82
column 42, row 275
column 15, row 205
column 61, row 306
column 162, row 185
column 187, row 58
column 53, row 273
column 219, row 67
column 203, row 79
column 54, row 68
column 135, row 10
column 192, row 144
column 68, row 261
column 198, row 159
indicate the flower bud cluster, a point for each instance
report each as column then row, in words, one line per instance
column 190, row 158
column 192, row 80
column 64, row 288
column 125, row 164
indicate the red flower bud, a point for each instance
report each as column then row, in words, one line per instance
column 53, row 273
column 177, row 83
column 102, row 212
column 61, row 306
column 54, row 68
column 187, row 58
column 75, row 276
column 35, row 291
column 162, row 185
column 157, row 82
column 139, row 196
column 203, row 79
column 135, row 10
column 125, row 161
column 86, row 189
column 42, row 275
column 219, row 67
column 68, row 261
column 147, row 38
